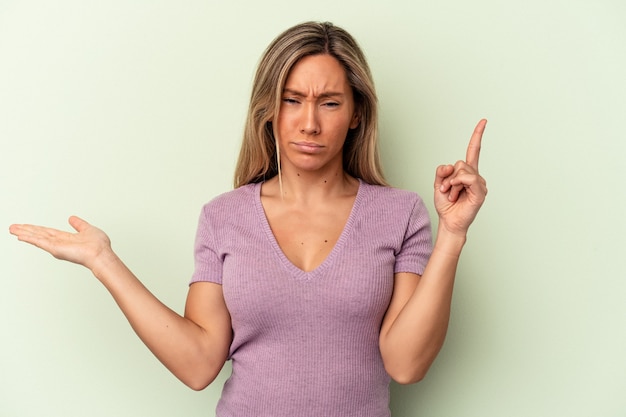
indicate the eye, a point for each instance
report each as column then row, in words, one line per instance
column 289, row 100
column 331, row 104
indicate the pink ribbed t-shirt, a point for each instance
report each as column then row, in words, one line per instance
column 306, row 343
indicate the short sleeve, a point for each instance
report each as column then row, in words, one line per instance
column 417, row 245
column 208, row 263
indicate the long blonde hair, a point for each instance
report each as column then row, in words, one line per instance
column 258, row 158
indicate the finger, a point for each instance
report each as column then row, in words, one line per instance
column 26, row 230
column 14, row 229
column 474, row 184
column 455, row 191
column 473, row 149
column 452, row 172
column 77, row 223
column 41, row 237
column 443, row 172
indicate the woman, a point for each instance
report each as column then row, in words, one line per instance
column 313, row 276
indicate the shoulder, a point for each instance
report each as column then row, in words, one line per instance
column 390, row 197
column 232, row 201
column 230, row 209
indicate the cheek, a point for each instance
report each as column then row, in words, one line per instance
column 285, row 122
column 340, row 126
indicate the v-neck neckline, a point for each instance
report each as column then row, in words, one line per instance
column 296, row 271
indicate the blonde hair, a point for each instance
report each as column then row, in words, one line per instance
column 259, row 157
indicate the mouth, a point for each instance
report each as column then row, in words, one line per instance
column 307, row 147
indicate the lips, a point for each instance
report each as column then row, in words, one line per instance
column 307, row 147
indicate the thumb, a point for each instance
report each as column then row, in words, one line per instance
column 442, row 172
column 77, row 223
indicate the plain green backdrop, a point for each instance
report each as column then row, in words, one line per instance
column 130, row 113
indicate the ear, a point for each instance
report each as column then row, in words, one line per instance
column 354, row 123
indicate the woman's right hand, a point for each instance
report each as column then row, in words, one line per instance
column 86, row 247
column 193, row 347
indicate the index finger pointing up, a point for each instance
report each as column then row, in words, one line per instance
column 473, row 150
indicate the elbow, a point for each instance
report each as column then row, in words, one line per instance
column 408, row 373
column 199, row 381
column 198, row 385
column 199, row 377
column 200, row 368
column 409, row 366
column 408, row 378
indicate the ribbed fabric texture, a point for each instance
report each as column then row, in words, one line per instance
column 306, row 343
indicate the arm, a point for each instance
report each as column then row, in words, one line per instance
column 193, row 347
column 416, row 322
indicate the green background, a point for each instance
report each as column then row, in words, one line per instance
column 130, row 113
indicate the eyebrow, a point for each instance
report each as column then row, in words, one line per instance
column 325, row 94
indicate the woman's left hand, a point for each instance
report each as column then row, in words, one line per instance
column 459, row 190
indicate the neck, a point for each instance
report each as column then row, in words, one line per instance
column 304, row 187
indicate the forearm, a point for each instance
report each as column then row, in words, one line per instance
column 186, row 349
column 417, row 334
column 193, row 347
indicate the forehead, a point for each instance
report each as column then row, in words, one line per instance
column 321, row 71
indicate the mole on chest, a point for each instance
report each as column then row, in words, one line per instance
column 307, row 248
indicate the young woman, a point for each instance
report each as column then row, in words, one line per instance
column 317, row 279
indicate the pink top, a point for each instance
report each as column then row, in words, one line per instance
column 306, row 343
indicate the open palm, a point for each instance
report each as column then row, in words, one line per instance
column 82, row 247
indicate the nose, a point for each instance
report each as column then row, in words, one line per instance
column 310, row 120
